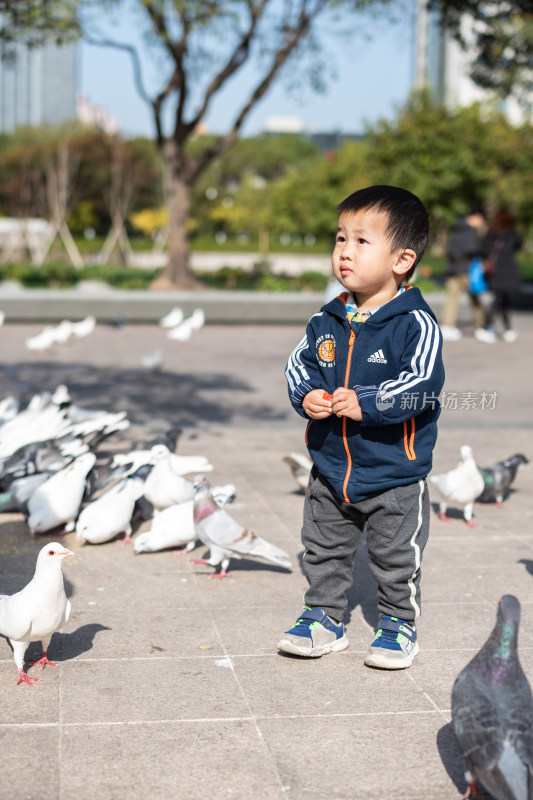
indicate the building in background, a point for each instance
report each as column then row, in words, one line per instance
column 441, row 64
column 38, row 86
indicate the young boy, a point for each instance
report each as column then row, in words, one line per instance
column 367, row 376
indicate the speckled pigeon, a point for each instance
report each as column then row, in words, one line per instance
column 225, row 537
column 498, row 478
column 492, row 713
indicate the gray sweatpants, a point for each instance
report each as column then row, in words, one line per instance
column 397, row 523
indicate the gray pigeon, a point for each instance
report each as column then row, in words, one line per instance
column 492, row 713
column 225, row 537
column 39, row 610
column 498, row 478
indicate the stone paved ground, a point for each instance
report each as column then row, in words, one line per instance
column 169, row 684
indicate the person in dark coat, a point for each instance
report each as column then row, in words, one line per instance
column 498, row 251
column 463, row 245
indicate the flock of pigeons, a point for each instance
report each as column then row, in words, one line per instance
column 462, row 486
column 50, row 472
column 179, row 328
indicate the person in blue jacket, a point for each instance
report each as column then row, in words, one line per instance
column 367, row 376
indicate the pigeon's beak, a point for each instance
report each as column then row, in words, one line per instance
column 66, row 553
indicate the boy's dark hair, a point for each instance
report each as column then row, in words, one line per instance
column 408, row 224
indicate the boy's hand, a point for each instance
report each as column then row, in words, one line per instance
column 317, row 404
column 346, row 404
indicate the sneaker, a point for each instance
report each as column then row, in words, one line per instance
column 395, row 645
column 483, row 335
column 510, row 336
column 450, row 333
column 313, row 635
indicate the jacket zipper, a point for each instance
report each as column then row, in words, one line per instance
column 409, row 440
column 345, row 419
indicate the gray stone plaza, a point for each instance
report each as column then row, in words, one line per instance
column 168, row 683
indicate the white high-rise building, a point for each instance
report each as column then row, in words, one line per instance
column 443, row 65
column 38, row 87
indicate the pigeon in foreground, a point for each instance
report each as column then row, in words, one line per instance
column 57, row 501
column 492, row 713
column 498, row 478
column 225, row 537
column 460, row 486
column 39, row 610
column 300, row 467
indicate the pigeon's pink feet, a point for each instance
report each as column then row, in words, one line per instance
column 221, row 574
column 126, row 539
column 472, row 790
column 182, row 552
column 499, row 504
column 199, row 560
column 444, row 517
column 43, row 661
column 470, row 523
column 23, row 678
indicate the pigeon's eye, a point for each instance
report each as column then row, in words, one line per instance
column 51, row 552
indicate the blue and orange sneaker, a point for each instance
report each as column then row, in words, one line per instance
column 395, row 645
column 313, row 635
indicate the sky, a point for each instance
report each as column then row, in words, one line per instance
column 372, row 79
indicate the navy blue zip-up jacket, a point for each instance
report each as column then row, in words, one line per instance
column 393, row 361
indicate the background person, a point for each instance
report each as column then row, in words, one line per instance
column 463, row 245
column 498, row 251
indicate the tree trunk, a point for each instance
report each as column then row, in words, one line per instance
column 178, row 273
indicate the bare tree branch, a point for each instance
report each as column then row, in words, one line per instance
column 293, row 37
column 136, row 62
column 236, row 60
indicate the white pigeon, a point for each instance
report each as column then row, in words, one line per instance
column 32, row 425
column 39, row 610
column 172, row 319
column 57, row 501
column 183, row 331
column 172, row 527
column 9, row 408
column 2, row 318
column 197, row 319
column 182, row 465
column 63, row 332
column 110, row 514
column 164, row 486
column 300, row 467
column 84, row 327
column 225, row 537
column 41, row 341
column 460, row 486
column 153, row 361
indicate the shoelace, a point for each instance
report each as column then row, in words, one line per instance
column 304, row 623
column 387, row 634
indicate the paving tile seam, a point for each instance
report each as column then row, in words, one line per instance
column 208, row 720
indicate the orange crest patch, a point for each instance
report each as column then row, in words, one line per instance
column 326, row 350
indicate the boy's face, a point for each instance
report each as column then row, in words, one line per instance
column 362, row 259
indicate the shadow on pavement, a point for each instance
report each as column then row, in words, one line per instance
column 184, row 399
column 451, row 757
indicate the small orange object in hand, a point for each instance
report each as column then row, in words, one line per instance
column 327, row 396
